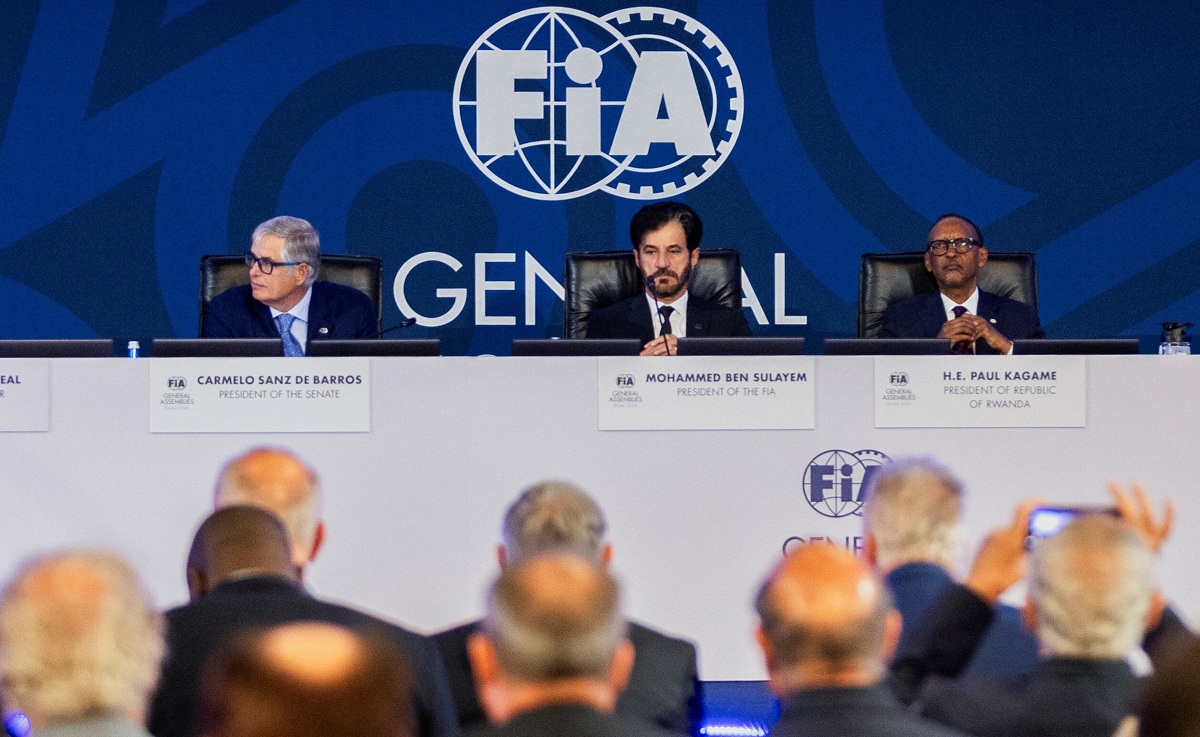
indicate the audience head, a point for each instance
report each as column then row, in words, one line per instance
column 1090, row 588
column 553, row 632
column 235, row 541
column 79, row 636
column 554, row 517
column 307, row 679
column 278, row 481
column 912, row 514
column 826, row 621
column 1171, row 707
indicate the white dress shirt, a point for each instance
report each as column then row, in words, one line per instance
column 678, row 316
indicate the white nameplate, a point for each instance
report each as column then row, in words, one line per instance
column 260, row 395
column 24, row 395
column 707, row 393
column 980, row 391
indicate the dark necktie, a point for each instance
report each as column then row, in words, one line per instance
column 964, row 347
column 291, row 346
column 664, row 314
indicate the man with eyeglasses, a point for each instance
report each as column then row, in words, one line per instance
column 973, row 320
column 284, row 299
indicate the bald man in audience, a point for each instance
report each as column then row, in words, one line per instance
column 242, row 575
column 80, row 646
column 307, row 679
column 552, row 656
column 912, row 522
column 556, row 517
column 827, row 630
column 280, row 482
column 1089, row 603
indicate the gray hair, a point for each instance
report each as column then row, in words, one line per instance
column 1091, row 585
column 554, row 516
column 78, row 634
column 300, row 242
column 276, row 480
column 554, row 617
column 913, row 508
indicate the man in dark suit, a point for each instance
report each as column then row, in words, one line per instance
column 912, row 524
column 557, row 517
column 551, row 656
column 666, row 247
column 241, row 575
column 827, row 628
column 284, row 299
column 1089, row 601
column 973, row 320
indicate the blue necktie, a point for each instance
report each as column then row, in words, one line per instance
column 291, row 346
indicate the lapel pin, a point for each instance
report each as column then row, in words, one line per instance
column 323, row 331
column 992, row 320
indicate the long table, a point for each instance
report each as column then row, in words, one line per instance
column 697, row 517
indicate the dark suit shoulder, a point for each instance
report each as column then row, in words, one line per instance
column 452, row 644
column 629, row 318
column 711, row 320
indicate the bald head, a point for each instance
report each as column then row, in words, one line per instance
column 826, row 620
column 78, row 635
column 277, row 481
column 307, row 679
column 238, row 540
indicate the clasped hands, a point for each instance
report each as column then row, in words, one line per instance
column 970, row 328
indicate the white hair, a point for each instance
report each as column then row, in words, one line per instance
column 78, row 634
column 913, row 508
column 300, row 242
column 1091, row 586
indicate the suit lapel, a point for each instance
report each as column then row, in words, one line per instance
column 933, row 314
column 699, row 322
column 638, row 316
column 316, row 315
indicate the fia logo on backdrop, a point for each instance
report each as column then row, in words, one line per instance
column 555, row 103
column 835, row 479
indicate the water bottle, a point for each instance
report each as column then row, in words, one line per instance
column 1175, row 339
column 134, row 348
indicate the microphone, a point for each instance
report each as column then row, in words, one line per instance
column 657, row 311
column 400, row 326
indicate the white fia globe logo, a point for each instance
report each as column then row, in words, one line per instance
column 555, row 103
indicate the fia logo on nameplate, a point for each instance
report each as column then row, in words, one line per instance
column 25, row 395
column 260, row 395
column 980, row 391
column 707, row 393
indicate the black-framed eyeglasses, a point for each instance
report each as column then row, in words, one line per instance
column 266, row 265
column 960, row 245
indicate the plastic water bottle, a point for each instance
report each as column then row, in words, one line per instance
column 1175, row 339
column 134, row 348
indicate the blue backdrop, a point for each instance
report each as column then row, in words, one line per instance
column 138, row 135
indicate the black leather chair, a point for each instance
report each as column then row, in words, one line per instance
column 598, row 279
column 884, row 278
column 365, row 273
